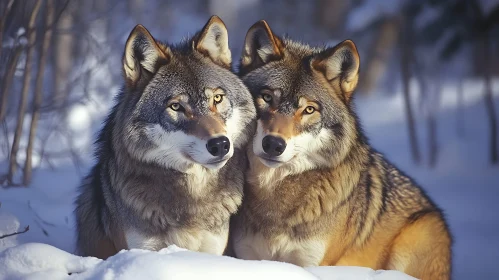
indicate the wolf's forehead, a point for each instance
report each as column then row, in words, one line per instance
column 290, row 82
column 271, row 77
column 188, row 80
column 210, row 80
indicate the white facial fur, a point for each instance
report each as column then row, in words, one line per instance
column 234, row 128
column 178, row 150
column 301, row 151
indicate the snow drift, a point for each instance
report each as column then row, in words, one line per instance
column 42, row 261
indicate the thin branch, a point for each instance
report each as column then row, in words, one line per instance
column 3, row 179
column 5, row 147
column 406, row 50
column 460, row 109
column 38, row 216
column 24, row 93
column 3, row 20
column 28, row 166
column 42, row 228
column 15, row 233
column 7, row 80
column 489, row 100
column 54, row 23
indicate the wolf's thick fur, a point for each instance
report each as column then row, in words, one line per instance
column 170, row 157
column 316, row 192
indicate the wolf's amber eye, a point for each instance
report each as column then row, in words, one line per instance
column 218, row 98
column 309, row 110
column 267, row 97
column 176, row 107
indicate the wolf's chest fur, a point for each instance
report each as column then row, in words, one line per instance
column 188, row 209
column 256, row 246
column 213, row 242
column 280, row 221
column 295, row 218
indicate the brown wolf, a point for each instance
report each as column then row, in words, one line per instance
column 316, row 192
column 170, row 158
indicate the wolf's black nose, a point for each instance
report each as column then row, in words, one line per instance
column 219, row 146
column 273, row 146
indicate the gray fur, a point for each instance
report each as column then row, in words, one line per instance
column 155, row 196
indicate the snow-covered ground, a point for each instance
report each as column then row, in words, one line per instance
column 463, row 183
column 40, row 261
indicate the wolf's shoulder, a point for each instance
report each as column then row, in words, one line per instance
column 401, row 187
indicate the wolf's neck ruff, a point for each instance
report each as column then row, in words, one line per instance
column 332, row 184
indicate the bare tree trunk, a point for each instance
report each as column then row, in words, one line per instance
column 379, row 55
column 24, row 93
column 28, row 164
column 7, row 80
column 432, row 139
column 430, row 90
column 228, row 10
column 8, row 76
column 105, row 22
column 489, row 100
column 63, row 56
column 134, row 9
column 432, row 123
column 405, row 52
column 460, row 110
column 332, row 14
column 2, row 22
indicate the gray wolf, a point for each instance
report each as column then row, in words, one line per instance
column 170, row 156
column 316, row 193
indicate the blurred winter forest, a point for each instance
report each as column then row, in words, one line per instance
column 60, row 62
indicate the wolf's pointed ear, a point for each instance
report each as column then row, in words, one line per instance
column 213, row 41
column 340, row 65
column 260, row 47
column 143, row 56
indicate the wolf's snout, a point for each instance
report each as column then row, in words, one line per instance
column 273, row 146
column 219, row 146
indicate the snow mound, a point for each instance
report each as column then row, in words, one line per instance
column 41, row 261
column 8, row 224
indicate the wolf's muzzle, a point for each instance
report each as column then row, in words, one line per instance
column 219, row 146
column 273, row 146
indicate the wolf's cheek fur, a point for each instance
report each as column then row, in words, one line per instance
column 301, row 151
column 178, row 150
column 235, row 126
column 307, row 147
column 168, row 147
